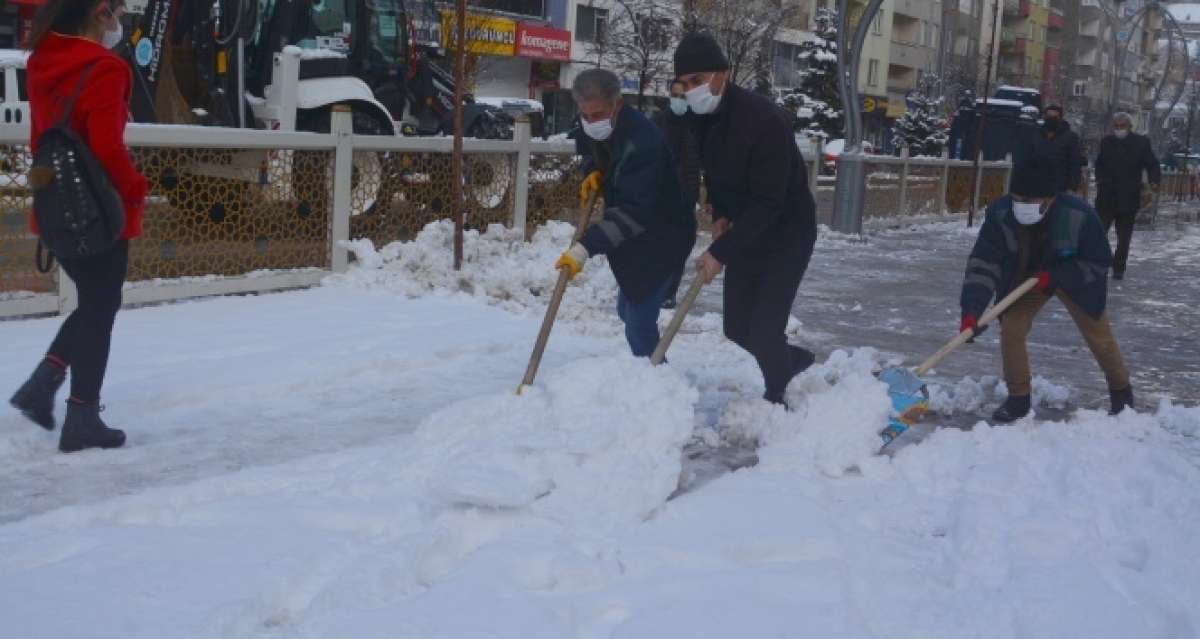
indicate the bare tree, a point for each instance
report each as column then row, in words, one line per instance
column 638, row 41
column 746, row 30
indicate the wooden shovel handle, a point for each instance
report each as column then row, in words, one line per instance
column 564, row 276
column 689, row 298
column 988, row 316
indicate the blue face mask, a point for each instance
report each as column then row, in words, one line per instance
column 678, row 106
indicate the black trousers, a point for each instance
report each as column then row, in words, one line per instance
column 1124, row 221
column 759, row 293
column 84, row 339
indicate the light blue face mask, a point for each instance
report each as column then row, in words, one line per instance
column 678, row 106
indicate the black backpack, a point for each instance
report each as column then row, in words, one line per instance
column 79, row 213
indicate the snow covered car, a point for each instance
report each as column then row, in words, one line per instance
column 516, row 107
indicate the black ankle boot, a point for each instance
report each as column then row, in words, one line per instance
column 802, row 359
column 83, row 429
column 1014, row 408
column 35, row 398
column 1121, row 400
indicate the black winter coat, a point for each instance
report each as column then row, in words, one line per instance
column 647, row 230
column 681, row 139
column 1061, row 144
column 1119, row 172
column 755, row 178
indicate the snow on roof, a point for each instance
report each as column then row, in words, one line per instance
column 13, row 57
column 1187, row 12
column 512, row 103
column 1001, row 102
column 1006, row 87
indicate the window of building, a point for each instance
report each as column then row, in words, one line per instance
column 1079, row 89
column 873, row 73
column 590, row 24
column 656, row 32
column 877, row 25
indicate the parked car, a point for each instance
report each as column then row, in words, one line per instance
column 833, row 151
column 515, row 107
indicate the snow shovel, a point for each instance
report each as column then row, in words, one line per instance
column 689, row 298
column 910, row 397
column 564, row 276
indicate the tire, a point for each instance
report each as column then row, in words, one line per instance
column 313, row 171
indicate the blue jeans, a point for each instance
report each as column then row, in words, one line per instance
column 641, row 319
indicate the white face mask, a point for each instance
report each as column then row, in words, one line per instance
column 600, row 130
column 113, row 38
column 1027, row 213
column 1121, row 133
column 678, row 106
column 702, row 100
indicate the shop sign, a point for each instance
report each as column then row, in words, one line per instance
column 487, row 35
column 543, row 43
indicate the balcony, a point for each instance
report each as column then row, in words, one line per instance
column 1012, row 41
column 1050, row 57
column 1017, row 8
column 1090, row 7
column 1088, row 58
column 1055, row 22
column 1089, row 29
column 911, row 8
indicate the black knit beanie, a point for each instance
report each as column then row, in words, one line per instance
column 1034, row 177
column 699, row 53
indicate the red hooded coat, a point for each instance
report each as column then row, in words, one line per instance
column 99, row 116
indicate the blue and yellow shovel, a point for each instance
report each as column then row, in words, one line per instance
column 910, row 396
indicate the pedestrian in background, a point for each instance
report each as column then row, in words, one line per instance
column 1124, row 156
column 673, row 122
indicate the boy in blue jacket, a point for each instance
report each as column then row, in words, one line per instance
column 1036, row 231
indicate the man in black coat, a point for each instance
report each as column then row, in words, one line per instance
column 764, row 221
column 647, row 232
column 1059, row 143
column 673, row 122
column 1123, row 156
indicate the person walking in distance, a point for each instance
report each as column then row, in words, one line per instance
column 70, row 43
column 1124, row 155
column 764, row 221
column 1058, row 142
column 1039, row 231
column 673, row 122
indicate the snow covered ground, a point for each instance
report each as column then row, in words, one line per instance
column 352, row 461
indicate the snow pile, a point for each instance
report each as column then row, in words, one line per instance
column 602, row 432
column 970, row 395
column 499, row 268
column 837, row 411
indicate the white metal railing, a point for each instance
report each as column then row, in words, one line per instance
column 341, row 141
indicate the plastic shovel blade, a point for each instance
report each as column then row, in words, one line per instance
column 910, row 400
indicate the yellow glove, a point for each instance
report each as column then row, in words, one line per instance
column 590, row 186
column 572, row 259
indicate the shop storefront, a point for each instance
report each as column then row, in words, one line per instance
column 507, row 58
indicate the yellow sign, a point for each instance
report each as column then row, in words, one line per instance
column 868, row 104
column 485, row 34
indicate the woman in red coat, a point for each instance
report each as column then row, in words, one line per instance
column 68, row 38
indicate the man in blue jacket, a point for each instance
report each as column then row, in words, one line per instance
column 1037, row 231
column 647, row 230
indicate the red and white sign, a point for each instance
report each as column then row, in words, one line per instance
column 544, row 43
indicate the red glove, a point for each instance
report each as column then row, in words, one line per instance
column 970, row 322
column 1045, row 285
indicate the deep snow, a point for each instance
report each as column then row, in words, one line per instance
column 352, row 461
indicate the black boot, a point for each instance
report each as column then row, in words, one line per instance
column 1118, row 274
column 1121, row 399
column 83, row 429
column 1014, row 408
column 35, row 398
column 802, row 359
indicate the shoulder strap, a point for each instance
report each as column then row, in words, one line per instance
column 70, row 106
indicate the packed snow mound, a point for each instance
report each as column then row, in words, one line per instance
column 502, row 269
column 837, row 410
column 606, row 432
